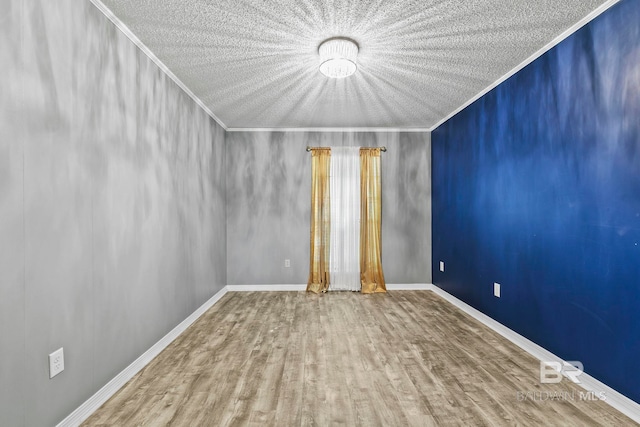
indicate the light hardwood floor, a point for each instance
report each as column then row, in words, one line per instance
column 292, row 358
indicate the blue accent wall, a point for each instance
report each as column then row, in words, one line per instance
column 537, row 186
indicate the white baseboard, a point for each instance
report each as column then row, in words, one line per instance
column 409, row 286
column 101, row 396
column 614, row 398
column 265, row 288
column 275, row 288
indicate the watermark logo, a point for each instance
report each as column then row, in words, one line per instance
column 551, row 372
column 554, row 396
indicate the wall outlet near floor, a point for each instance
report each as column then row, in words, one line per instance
column 442, row 266
column 287, row 263
column 56, row 362
column 496, row 290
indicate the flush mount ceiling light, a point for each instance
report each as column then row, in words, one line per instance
column 338, row 57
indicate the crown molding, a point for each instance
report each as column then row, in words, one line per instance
column 131, row 36
column 553, row 43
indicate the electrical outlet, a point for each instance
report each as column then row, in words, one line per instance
column 287, row 263
column 56, row 362
column 496, row 290
column 442, row 266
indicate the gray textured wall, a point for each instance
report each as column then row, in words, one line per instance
column 112, row 217
column 269, row 196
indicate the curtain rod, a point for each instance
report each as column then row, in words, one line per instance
column 314, row 148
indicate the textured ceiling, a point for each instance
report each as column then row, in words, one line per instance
column 254, row 63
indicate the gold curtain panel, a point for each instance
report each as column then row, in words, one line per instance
column 320, row 221
column 371, row 274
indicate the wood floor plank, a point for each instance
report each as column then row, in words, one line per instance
column 292, row 358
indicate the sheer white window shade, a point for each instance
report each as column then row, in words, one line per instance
column 344, row 246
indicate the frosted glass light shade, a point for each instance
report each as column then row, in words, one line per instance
column 338, row 58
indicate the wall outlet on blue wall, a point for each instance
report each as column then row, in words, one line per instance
column 496, row 290
column 442, row 266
